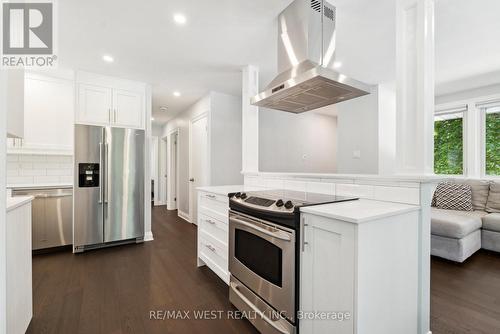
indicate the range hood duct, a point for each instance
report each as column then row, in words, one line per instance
column 306, row 54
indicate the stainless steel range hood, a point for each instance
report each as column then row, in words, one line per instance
column 306, row 54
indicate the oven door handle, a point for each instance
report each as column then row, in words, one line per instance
column 254, row 308
column 276, row 234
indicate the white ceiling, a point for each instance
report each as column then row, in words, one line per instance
column 221, row 36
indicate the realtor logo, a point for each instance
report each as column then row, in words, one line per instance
column 28, row 34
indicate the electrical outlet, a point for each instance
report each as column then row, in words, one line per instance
column 356, row 154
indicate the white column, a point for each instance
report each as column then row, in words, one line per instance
column 250, row 120
column 415, row 86
column 3, row 211
column 415, row 121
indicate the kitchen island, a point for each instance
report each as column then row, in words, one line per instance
column 359, row 260
column 19, row 290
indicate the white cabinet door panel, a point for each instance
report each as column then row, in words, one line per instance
column 94, row 104
column 128, row 108
column 49, row 105
column 327, row 274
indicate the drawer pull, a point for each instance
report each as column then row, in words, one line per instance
column 210, row 196
column 210, row 221
column 210, row 248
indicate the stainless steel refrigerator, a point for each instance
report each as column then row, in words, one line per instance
column 108, row 207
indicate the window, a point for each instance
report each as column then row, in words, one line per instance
column 492, row 140
column 449, row 142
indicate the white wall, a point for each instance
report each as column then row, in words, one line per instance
column 357, row 124
column 297, row 143
column 225, row 142
column 181, row 122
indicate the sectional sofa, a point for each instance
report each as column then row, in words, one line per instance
column 456, row 235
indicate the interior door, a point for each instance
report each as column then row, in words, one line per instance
column 199, row 162
column 94, row 104
column 128, row 108
column 124, row 191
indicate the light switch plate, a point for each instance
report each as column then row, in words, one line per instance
column 356, row 154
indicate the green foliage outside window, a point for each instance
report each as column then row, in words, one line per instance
column 448, row 146
column 493, row 144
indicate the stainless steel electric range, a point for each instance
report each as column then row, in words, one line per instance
column 264, row 230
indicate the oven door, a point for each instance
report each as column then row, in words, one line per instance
column 262, row 257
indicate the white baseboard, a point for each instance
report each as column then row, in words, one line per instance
column 184, row 216
column 148, row 236
column 158, row 203
column 171, row 206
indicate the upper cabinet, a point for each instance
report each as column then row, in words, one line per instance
column 104, row 100
column 48, row 115
column 15, row 103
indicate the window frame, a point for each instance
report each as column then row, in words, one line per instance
column 450, row 109
column 483, row 107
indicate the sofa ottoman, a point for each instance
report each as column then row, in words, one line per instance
column 490, row 235
column 456, row 235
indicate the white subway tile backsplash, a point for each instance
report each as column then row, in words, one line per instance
column 321, row 188
column 19, row 179
column 59, row 172
column 362, row 191
column 32, row 172
column 33, row 169
column 66, row 179
column 45, row 179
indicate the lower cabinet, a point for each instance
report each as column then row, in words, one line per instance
column 19, row 283
column 359, row 278
column 327, row 274
column 213, row 226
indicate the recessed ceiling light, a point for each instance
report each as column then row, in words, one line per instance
column 152, row 118
column 180, row 18
column 108, row 59
column 337, row 64
column 177, row 94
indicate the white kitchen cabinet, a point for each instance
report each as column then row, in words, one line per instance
column 128, row 108
column 364, row 270
column 327, row 273
column 19, row 272
column 94, row 104
column 110, row 101
column 48, row 115
column 15, row 103
column 213, row 232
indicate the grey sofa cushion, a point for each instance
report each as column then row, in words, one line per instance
column 491, row 222
column 493, row 204
column 480, row 190
column 455, row 224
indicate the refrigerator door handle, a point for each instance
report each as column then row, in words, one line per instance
column 106, row 150
column 101, row 185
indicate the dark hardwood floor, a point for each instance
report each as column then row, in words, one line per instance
column 465, row 298
column 113, row 290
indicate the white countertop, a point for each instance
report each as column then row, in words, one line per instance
column 39, row 185
column 225, row 190
column 359, row 211
column 15, row 202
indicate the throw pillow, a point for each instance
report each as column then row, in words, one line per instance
column 454, row 196
column 493, row 204
column 480, row 190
